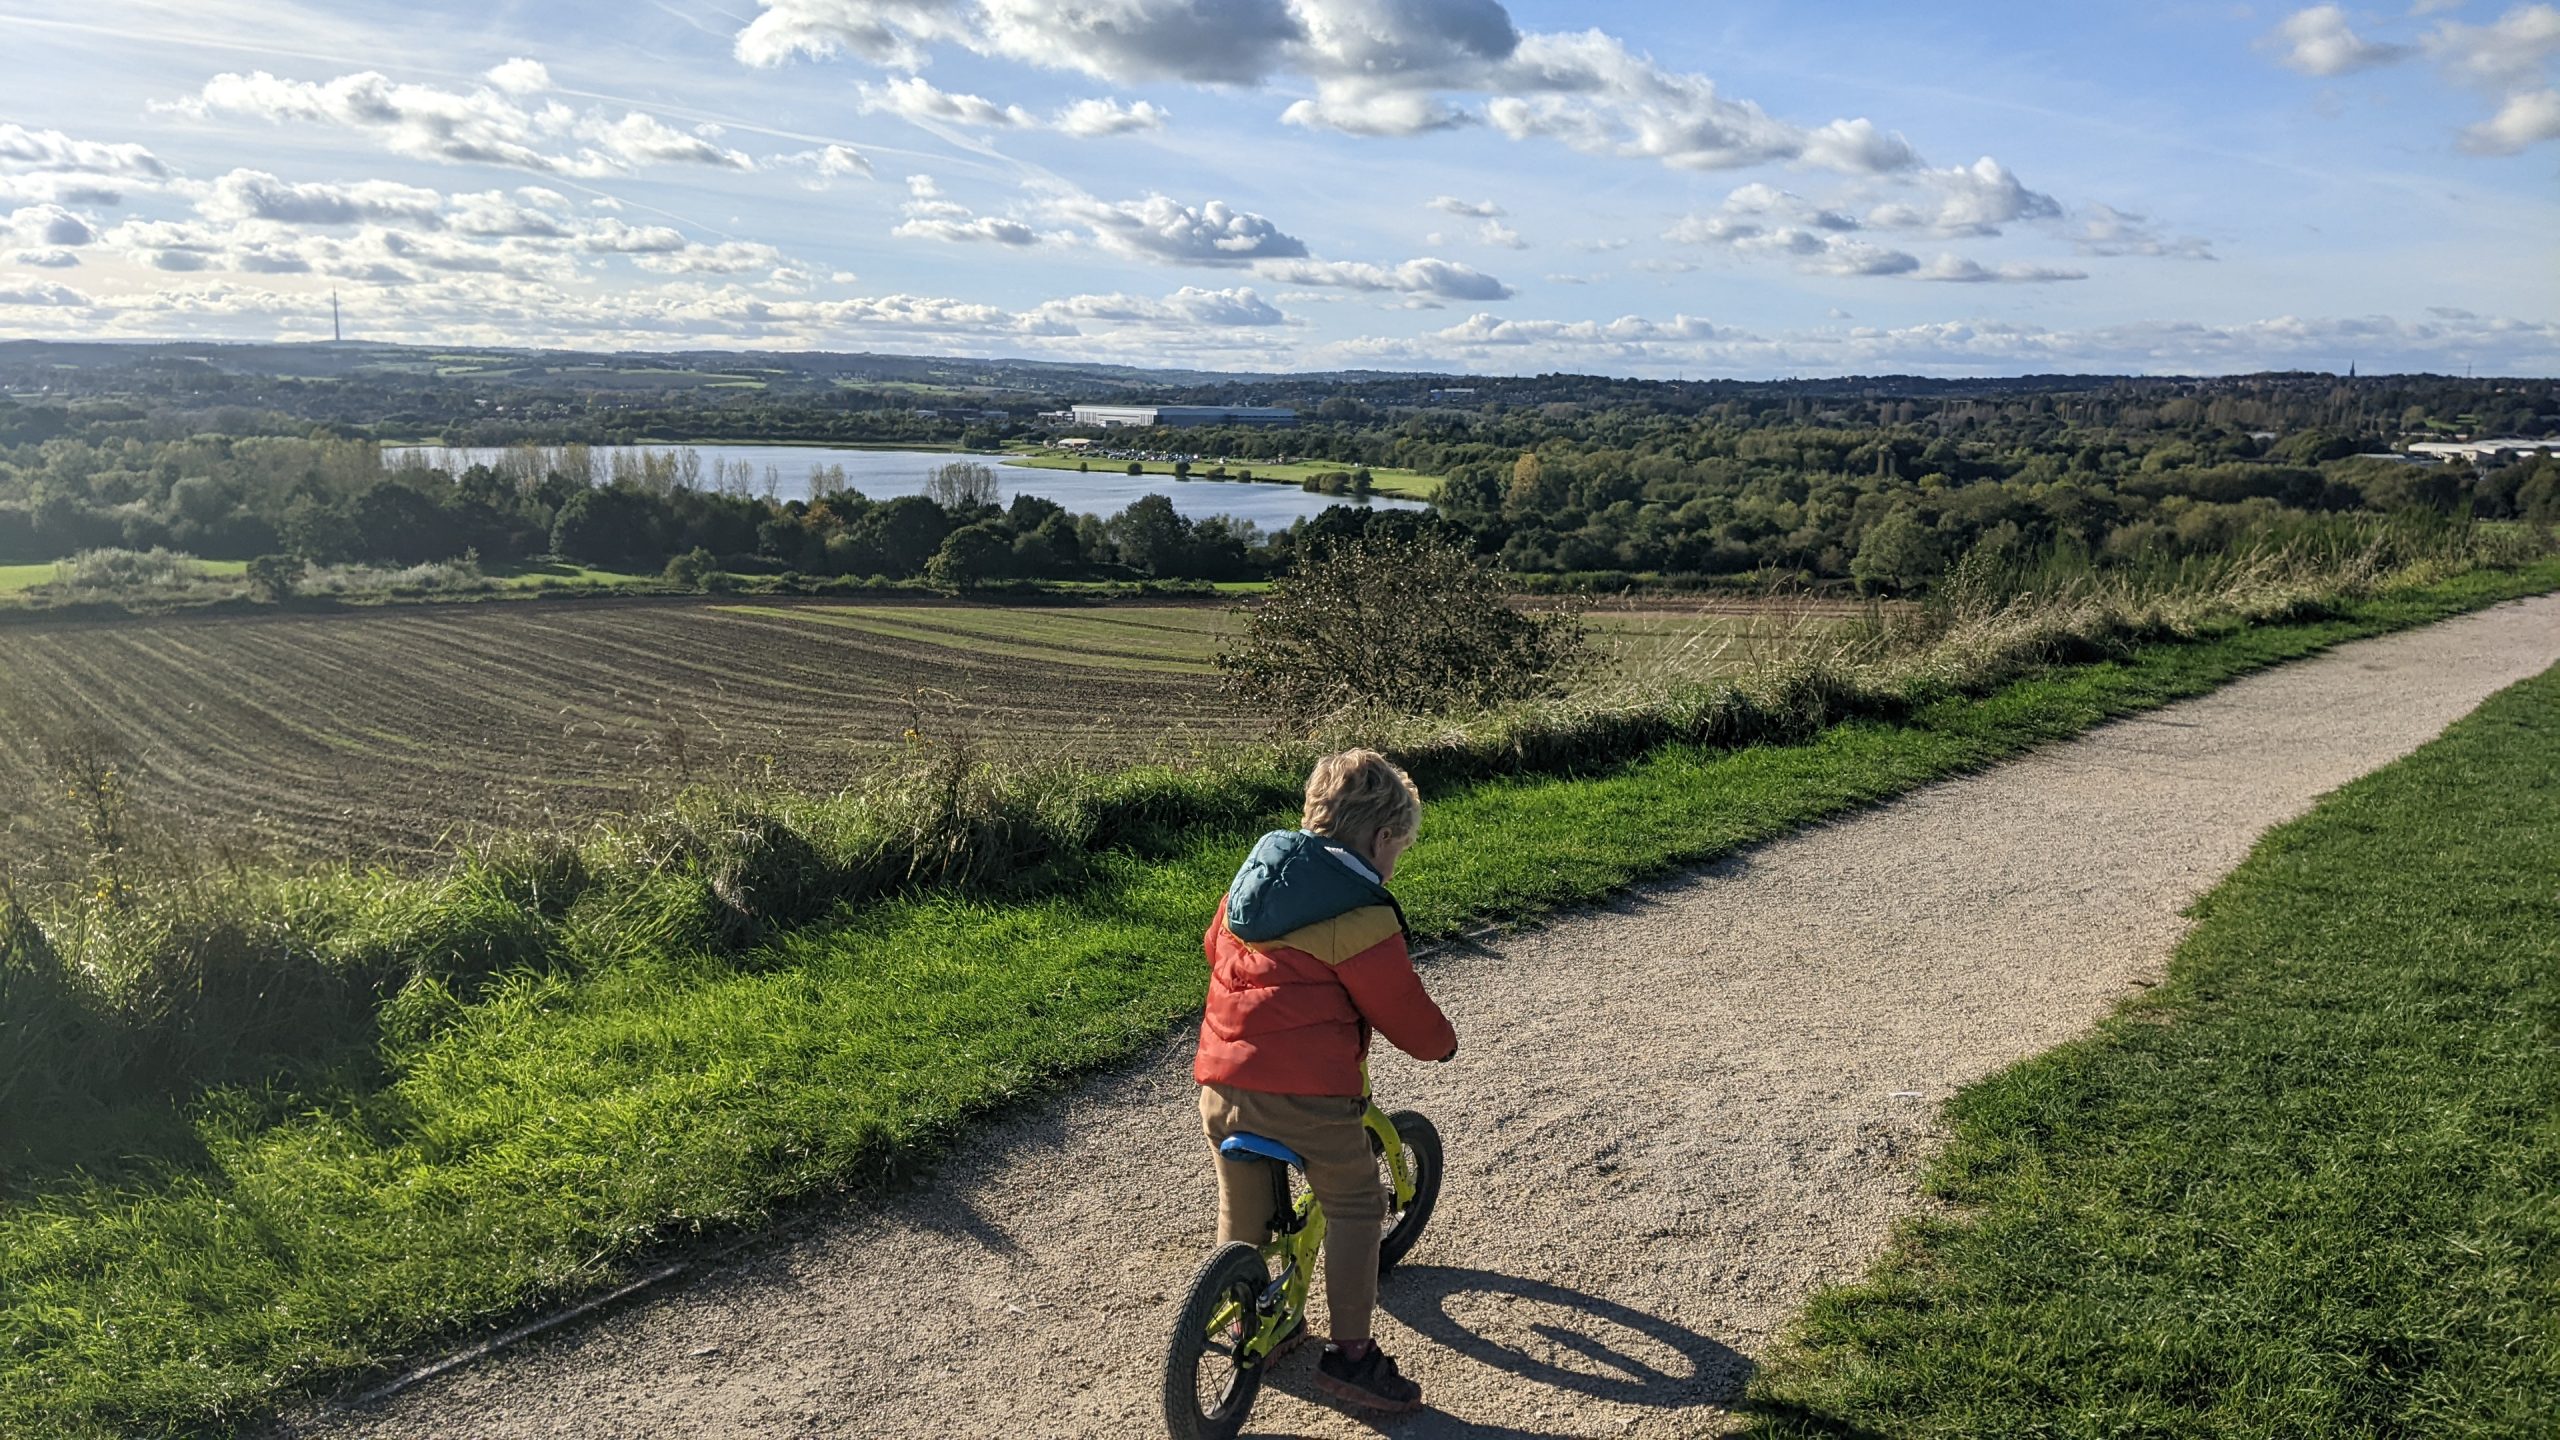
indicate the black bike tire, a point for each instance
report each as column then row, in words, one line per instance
column 1226, row 1266
column 1422, row 1141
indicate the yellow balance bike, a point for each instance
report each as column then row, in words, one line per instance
column 1238, row 1312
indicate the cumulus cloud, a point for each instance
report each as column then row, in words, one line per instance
column 22, row 149
column 1625, row 332
column 1376, row 69
column 520, row 76
column 824, row 164
column 1428, row 277
column 915, row 98
column 2509, row 59
column 47, row 226
column 41, row 293
column 2528, row 118
column 1956, row 269
column 481, row 126
column 1163, row 229
column 2506, row 54
column 932, row 215
column 1093, row 119
column 1188, row 307
column 2318, row 41
column 257, row 195
column 1471, row 209
column 1974, row 199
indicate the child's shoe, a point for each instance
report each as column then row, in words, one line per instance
column 1370, row 1382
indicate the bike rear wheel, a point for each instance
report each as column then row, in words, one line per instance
column 1404, row 1225
column 1209, row 1386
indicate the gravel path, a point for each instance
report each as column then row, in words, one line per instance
column 1672, row 1118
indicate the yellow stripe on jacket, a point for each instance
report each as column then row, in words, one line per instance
column 1338, row 939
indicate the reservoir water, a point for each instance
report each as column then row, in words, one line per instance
column 885, row 474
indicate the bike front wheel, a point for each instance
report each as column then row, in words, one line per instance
column 1404, row 1223
column 1209, row 1384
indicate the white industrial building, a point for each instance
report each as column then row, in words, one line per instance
column 1139, row 417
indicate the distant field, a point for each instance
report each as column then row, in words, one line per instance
column 1411, row 484
column 377, row 733
column 18, row 579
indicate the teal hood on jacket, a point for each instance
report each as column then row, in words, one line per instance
column 1292, row 880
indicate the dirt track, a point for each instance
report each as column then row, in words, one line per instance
column 1672, row 1118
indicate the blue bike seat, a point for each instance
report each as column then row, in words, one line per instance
column 1245, row 1146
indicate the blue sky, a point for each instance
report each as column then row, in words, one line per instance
column 1737, row 189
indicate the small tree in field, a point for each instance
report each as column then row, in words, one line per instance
column 970, row 557
column 1414, row 624
column 275, row 577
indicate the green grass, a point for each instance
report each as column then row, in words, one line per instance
column 2310, row 1186
column 18, row 579
column 1409, row 484
column 538, row 1144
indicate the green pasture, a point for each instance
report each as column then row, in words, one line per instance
column 18, row 579
column 2308, row 1186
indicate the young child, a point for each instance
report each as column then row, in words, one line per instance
column 1306, row 957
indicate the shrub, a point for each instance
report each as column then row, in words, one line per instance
column 693, row 569
column 1410, row 624
column 275, row 577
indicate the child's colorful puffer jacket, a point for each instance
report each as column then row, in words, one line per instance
column 1306, row 956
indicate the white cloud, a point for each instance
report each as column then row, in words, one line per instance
column 478, row 127
column 1495, row 233
column 45, row 259
column 1163, row 229
column 728, row 257
column 1956, row 269
column 1092, row 119
column 1622, row 333
column 22, row 149
column 520, row 76
column 1187, row 307
column 2109, row 231
column 2318, row 41
column 530, row 211
column 2528, row 118
column 257, row 195
column 47, row 226
column 1439, row 279
column 42, row 293
column 1471, row 209
column 931, row 215
column 1376, row 69
column 915, row 98
column 2507, row 54
column 1974, row 199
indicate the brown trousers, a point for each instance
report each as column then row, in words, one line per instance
column 1341, row 1170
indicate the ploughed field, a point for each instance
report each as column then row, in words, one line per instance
column 386, row 734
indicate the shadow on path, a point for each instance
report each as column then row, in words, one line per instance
column 1546, row 1336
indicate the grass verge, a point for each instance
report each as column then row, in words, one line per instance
column 532, row 1146
column 2308, row 1186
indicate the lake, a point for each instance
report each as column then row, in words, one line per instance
column 883, row 474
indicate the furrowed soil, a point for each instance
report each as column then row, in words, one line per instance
column 1671, row 1119
column 378, row 734
column 385, row 735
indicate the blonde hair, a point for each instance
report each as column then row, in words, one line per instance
column 1354, row 795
